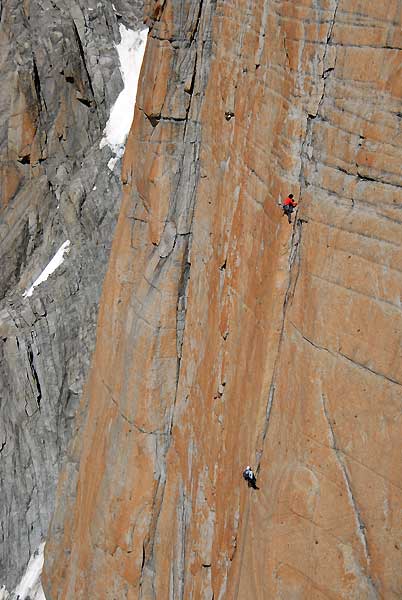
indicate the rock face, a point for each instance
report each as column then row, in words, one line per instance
column 227, row 337
column 59, row 78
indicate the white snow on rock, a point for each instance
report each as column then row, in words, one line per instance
column 131, row 53
column 30, row 585
column 56, row 261
column 112, row 162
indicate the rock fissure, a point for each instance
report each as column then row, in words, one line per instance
column 181, row 306
column 131, row 422
column 294, row 264
column 34, row 373
column 338, row 353
column 261, row 35
column 84, row 63
column 326, row 70
column 265, row 426
column 149, row 539
column 331, row 29
column 360, row 526
column 373, row 371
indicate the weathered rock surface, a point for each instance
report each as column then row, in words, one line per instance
column 236, row 338
column 59, row 78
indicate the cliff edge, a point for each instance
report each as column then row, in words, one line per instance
column 59, row 202
column 227, row 336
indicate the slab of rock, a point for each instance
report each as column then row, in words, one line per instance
column 238, row 339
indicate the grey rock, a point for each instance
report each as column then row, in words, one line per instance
column 59, row 74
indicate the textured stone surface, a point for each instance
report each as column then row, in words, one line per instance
column 238, row 339
column 59, row 77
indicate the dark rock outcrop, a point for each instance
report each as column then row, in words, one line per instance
column 60, row 75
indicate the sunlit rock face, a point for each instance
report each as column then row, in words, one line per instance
column 60, row 76
column 228, row 337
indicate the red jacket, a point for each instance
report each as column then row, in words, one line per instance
column 289, row 201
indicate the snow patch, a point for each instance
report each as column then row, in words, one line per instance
column 30, row 585
column 131, row 53
column 112, row 162
column 56, row 261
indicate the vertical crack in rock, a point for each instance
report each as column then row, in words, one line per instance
column 147, row 566
column 325, row 70
column 324, row 75
column 202, row 57
column 179, row 571
column 84, row 62
column 295, row 248
column 295, row 245
column 294, row 272
column 261, row 35
column 38, row 390
column 181, row 321
column 37, row 85
column 360, row 526
column 330, row 31
column 265, row 426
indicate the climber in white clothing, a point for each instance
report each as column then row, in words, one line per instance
column 249, row 476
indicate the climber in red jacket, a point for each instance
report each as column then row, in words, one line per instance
column 288, row 206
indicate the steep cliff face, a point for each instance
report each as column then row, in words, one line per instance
column 228, row 337
column 60, row 75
